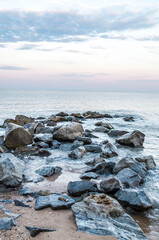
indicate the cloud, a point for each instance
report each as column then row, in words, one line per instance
column 71, row 26
column 12, row 68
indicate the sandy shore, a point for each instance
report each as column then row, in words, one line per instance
column 62, row 220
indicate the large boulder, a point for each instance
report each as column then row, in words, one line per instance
column 22, row 120
column 16, row 136
column 47, row 171
column 134, row 198
column 94, row 148
column 103, row 168
column 148, row 161
column 129, row 178
column 11, row 170
column 110, row 185
column 77, row 188
column 69, row 132
column 128, row 162
column 110, row 151
column 46, row 138
column 103, row 215
column 116, row 133
column 133, row 139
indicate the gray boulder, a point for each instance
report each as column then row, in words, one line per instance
column 69, row 132
column 94, row 148
column 16, row 136
column 90, row 175
column 46, row 138
column 129, row 178
column 103, row 168
column 77, row 188
column 85, row 140
column 48, row 171
column 11, row 170
column 133, row 139
column 103, row 215
column 110, row 185
column 6, row 223
column 116, row 133
column 101, row 129
column 76, row 144
column 77, row 153
column 148, row 161
column 110, row 151
column 134, row 198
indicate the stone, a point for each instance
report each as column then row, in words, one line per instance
column 34, row 231
column 77, row 115
column 25, row 191
column 133, row 139
column 11, row 170
column 56, row 144
column 69, row 132
column 43, row 129
column 43, row 153
column 85, row 140
column 16, row 136
column 102, row 215
column 134, row 198
column 51, row 123
column 95, row 161
column 76, row 144
column 48, row 171
column 103, row 168
column 89, row 175
column 77, row 153
column 62, row 114
column 20, row 204
column 77, row 188
column 148, row 161
column 57, row 118
column 110, row 151
column 101, row 129
column 110, row 185
column 129, row 178
column 6, row 223
column 116, row 133
column 94, row 148
column 88, row 133
column 128, row 162
column 42, row 145
column 55, row 201
column 46, row 138
column 128, row 119
column 1, row 150
column 22, row 120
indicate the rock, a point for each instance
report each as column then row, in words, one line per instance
column 89, row 175
column 148, row 160
column 110, row 151
column 77, row 115
column 116, row 133
column 134, row 198
column 134, row 165
column 34, row 231
column 55, row 201
column 20, row 204
column 103, row 215
column 94, row 148
column 76, row 144
column 16, row 136
column 134, row 139
column 46, row 130
column 43, row 153
column 104, row 168
column 27, row 150
column 25, row 191
column 69, row 132
column 55, row 118
column 1, row 150
column 106, row 125
column 110, row 185
column 77, row 188
column 6, row 223
column 51, row 123
column 78, row 153
column 22, row 120
column 42, row 145
column 95, row 161
column 101, row 129
column 104, row 142
column 48, row 171
column 129, row 178
column 11, row 170
column 62, row 114
column 56, row 144
column 90, row 114
column 85, row 140
column 46, row 138
column 128, row 119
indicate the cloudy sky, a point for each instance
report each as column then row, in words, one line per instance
column 65, row 44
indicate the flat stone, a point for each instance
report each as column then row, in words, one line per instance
column 34, row 231
column 48, row 171
column 116, row 133
column 6, row 223
column 77, row 188
column 89, row 175
column 103, row 168
column 94, row 148
column 20, row 204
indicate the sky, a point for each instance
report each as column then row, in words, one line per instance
column 85, row 45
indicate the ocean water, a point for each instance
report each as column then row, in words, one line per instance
column 144, row 106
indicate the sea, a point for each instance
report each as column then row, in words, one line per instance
column 143, row 106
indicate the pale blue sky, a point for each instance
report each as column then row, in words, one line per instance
column 80, row 45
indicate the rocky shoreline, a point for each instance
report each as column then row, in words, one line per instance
column 31, row 152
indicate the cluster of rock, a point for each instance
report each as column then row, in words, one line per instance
column 95, row 211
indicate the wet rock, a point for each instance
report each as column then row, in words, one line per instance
column 6, row 201
column 134, row 198
column 47, row 130
column 69, row 132
column 90, row 114
column 27, row 150
column 77, row 153
column 48, row 171
column 110, row 151
column 134, row 139
column 76, row 144
column 104, row 168
column 46, row 138
column 94, row 148
column 55, row 118
column 104, row 142
column 55, row 201
column 106, row 125
column 20, row 204
column 110, row 185
column 77, row 188
column 11, row 170
column 34, row 231
column 62, row 114
column 134, row 165
column 50, row 123
column 101, row 129
column 42, row 145
column 129, row 178
column 95, row 161
column 56, row 144
column 1, row 150
column 77, row 115
column 89, row 175
column 148, row 161
column 6, row 223
column 116, row 133
column 16, row 136
column 25, row 191
column 22, row 120
column 85, row 140
column 103, row 215
column 129, row 119
column 33, row 126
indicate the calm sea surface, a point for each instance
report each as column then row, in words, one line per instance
column 143, row 106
